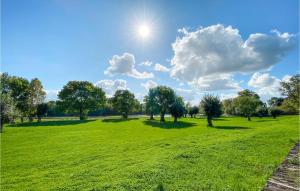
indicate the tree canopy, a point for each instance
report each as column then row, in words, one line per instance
column 212, row 107
column 124, row 102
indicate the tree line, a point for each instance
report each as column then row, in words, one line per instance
column 22, row 98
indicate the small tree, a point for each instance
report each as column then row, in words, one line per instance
column 164, row 97
column 212, row 107
column 274, row 112
column 246, row 105
column 151, row 104
column 262, row 110
column 8, row 109
column 81, row 96
column 177, row 108
column 41, row 111
column 124, row 102
column 36, row 97
column 193, row 111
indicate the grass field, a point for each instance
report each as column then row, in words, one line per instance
column 138, row 154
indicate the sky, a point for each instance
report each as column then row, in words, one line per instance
column 196, row 47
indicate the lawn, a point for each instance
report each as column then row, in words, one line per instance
column 138, row 154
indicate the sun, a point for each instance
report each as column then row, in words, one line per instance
column 144, row 31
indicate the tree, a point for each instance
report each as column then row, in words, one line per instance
column 229, row 107
column 81, row 97
column 275, row 111
column 41, row 111
column 212, row 107
column 152, row 107
column 19, row 92
column 186, row 108
column 291, row 89
column 193, row 111
column 246, row 105
column 164, row 97
column 36, row 97
column 123, row 101
column 275, row 101
column 262, row 110
column 8, row 109
column 177, row 108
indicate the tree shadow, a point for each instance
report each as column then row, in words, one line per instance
column 51, row 123
column 169, row 124
column 266, row 120
column 231, row 127
column 220, row 119
column 117, row 120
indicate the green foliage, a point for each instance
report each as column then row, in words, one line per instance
column 164, row 97
column 81, row 97
column 275, row 111
column 177, row 108
column 193, row 111
column 247, row 105
column 36, row 96
column 42, row 109
column 229, row 107
column 275, row 101
column 134, row 155
column 262, row 111
column 152, row 107
column 212, row 107
column 291, row 89
column 8, row 109
column 124, row 102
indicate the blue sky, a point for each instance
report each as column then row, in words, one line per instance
column 62, row 40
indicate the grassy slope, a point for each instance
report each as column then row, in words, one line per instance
column 140, row 155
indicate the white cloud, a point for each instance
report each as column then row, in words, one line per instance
column 125, row 64
column 146, row 63
column 188, row 95
column 215, row 82
column 265, row 85
column 110, row 86
column 51, row 95
column 218, row 50
column 149, row 84
column 161, row 68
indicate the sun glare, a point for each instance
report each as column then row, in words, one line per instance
column 144, row 31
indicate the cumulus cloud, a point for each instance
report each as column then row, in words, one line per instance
column 215, row 82
column 51, row 95
column 188, row 95
column 146, row 63
column 161, row 68
column 125, row 65
column 110, row 86
column 266, row 85
column 218, row 50
column 149, row 84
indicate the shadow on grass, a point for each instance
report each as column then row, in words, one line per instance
column 220, row 119
column 231, row 127
column 117, row 120
column 266, row 120
column 51, row 123
column 169, row 124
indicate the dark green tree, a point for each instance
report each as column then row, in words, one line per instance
column 36, row 96
column 275, row 101
column 275, row 111
column 124, row 102
column 212, row 107
column 152, row 107
column 41, row 111
column 193, row 111
column 247, row 105
column 177, row 108
column 81, row 97
column 164, row 97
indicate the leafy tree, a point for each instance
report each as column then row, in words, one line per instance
column 19, row 91
column 247, row 105
column 81, row 97
column 36, row 96
column 8, row 109
column 291, row 89
column 193, row 111
column 123, row 101
column 164, row 97
column 42, row 109
column 275, row 111
column 275, row 101
column 152, row 107
column 262, row 110
column 248, row 93
column 177, row 108
column 54, row 109
column 229, row 107
column 212, row 107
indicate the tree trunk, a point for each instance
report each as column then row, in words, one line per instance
column 151, row 116
column 30, row 118
column 81, row 115
column 22, row 119
column 1, row 126
column 175, row 119
column 249, row 119
column 162, row 117
column 125, row 115
column 209, row 121
column 39, row 119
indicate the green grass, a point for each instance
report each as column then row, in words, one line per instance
column 138, row 154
